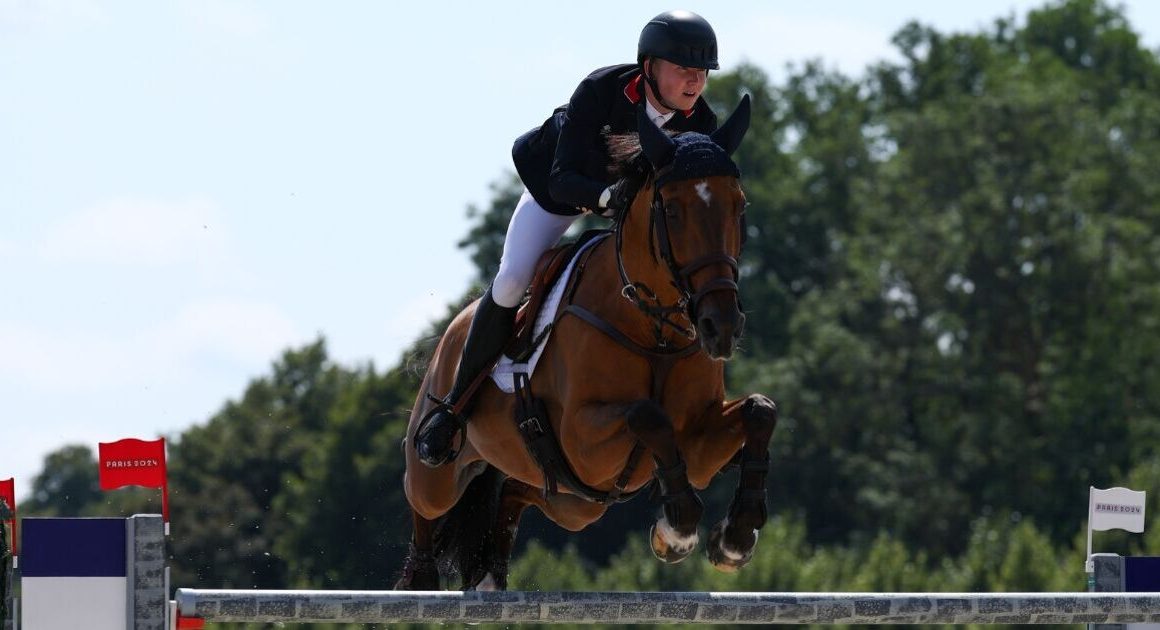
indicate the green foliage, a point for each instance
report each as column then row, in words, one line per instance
column 68, row 484
column 350, row 490
column 977, row 305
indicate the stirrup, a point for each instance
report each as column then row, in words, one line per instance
column 460, row 429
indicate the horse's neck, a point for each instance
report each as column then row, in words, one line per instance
column 641, row 256
column 645, row 272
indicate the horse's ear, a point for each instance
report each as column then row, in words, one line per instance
column 729, row 135
column 657, row 146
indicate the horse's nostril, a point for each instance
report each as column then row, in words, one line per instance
column 708, row 328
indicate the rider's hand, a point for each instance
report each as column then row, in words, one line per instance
column 620, row 196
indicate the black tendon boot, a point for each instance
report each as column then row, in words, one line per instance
column 490, row 329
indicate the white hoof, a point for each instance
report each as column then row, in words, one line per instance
column 487, row 583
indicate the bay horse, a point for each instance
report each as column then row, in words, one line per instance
column 618, row 379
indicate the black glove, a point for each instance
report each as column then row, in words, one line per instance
column 620, row 196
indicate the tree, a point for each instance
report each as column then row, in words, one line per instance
column 348, row 521
column 226, row 475
column 68, row 484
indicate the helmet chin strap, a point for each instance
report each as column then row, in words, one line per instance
column 655, row 88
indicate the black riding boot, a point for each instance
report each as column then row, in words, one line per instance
column 490, row 329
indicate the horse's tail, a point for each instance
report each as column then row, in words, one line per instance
column 463, row 537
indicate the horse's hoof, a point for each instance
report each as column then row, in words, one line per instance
column 669, row 546
column 418, row 583
column 418, row 578
column 726, row 560
column 491, row 583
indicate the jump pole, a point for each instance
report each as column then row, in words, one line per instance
column 195, row 607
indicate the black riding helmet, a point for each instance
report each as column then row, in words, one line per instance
column 682, row 37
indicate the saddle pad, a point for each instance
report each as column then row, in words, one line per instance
column 503, row 371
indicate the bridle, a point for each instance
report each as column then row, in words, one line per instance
column 681, row 277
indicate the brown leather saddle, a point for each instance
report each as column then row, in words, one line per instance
column 549, row 269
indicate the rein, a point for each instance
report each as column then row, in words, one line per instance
column 681, row 278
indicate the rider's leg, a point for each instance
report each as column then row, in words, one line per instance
column 530, row 233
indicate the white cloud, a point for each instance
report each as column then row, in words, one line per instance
column 238, row 330
column 239, row 333
column 418, row 312
column 50, row 14
column 138, row 232
column 230, row 18
column 8, row 248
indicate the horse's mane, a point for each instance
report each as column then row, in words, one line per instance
column 695, row 155
column 624, row 155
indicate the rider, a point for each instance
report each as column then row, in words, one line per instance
column 564, row 167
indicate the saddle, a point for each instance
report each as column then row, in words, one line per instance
column 548, row 270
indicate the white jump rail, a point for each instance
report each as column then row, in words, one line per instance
column 195, row 606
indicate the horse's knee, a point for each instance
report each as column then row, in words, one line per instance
column 645, row 417
column 759, row 413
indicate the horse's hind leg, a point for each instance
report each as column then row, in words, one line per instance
column 674, row 536
column 731, row 542
column 420, row 572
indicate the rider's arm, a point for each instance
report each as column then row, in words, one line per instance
column 580, row 141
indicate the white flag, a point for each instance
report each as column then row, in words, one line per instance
column 1116, row 508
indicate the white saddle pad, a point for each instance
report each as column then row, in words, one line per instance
column 504, row 371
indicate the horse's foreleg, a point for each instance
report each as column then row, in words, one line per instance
column 420, row 572
column 568, row 511
column 731, row 542
column 674, row 536
column 512, row 502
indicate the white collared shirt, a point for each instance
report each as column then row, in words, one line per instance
column 658, row 118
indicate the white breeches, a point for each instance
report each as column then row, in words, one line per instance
column 531, row 232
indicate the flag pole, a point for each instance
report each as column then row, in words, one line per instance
column 1089, row 566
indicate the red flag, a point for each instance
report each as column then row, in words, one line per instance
column 8, row 496
column 132, row 462
column 8, row 493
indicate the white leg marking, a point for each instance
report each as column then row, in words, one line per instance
column 729, row 553
column 680, row 544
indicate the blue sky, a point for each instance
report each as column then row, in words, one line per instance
column 187, row 188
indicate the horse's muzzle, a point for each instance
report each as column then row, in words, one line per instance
column 720, row 324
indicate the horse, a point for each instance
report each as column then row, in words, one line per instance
column 634, row 366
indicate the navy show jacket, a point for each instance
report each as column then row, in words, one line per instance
column 564, row 162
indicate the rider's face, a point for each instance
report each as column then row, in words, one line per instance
column 679, row 86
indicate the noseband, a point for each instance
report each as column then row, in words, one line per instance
column 681, row 277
